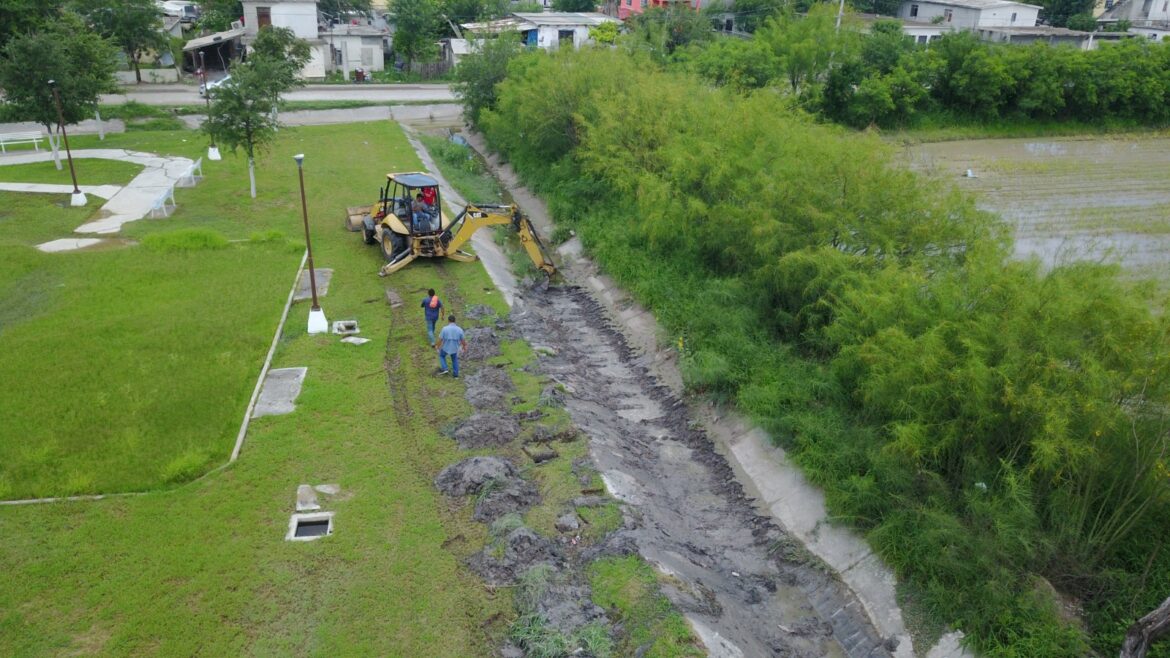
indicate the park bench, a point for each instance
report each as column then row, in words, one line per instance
column 164, row 205
column 33, row 137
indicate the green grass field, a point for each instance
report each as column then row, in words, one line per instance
column 201, row 567
column 90, row 171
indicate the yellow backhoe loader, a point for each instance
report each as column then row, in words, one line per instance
column 408, row 222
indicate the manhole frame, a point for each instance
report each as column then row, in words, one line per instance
column 308, row 517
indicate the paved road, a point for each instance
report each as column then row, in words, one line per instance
column 178, row 94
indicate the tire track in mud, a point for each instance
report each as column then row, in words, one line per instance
column 746, row 587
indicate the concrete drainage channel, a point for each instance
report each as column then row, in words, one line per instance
column 746, row 585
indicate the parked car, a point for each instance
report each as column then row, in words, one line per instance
column 185, row 11
column 203, row 89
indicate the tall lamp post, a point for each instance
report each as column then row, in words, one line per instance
column 317, row 322
column 78, row 198
column 213, row 150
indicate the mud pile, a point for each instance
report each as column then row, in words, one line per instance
column 488, row 387
column 486, row 429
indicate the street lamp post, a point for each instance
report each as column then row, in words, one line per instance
column 317, row 322
column 78, row 198
column 212, row 150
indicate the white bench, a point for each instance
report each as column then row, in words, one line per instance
column 33, row 137
column 164, row 205
column 193, row 175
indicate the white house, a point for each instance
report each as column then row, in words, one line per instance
column 299, row 16
column 355, row 46
column 970, row 14
column 549, row 30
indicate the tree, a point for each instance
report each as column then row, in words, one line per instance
column 606, row 33
column 663, row 30
column 285, row 55
column 1058, row 12
column 132, row 24
column 750, row 15
column 241, row 114
column 481, row 70
column 19, row 17
column 217, row 15
column 574, row 5
column 417, row 24
column 80, row 62
column 466, row 11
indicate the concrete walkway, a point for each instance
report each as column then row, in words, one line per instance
column 125, row 204
column 764, row 470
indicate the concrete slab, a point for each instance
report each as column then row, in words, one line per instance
column 125, row 204
column 354, row 340
column 307, row 499
column 68, row 244
column 304, row 291
column 279, row 393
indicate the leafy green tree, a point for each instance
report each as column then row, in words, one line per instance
column 217, row 15
column 1058, row 12
column 81, row 63
column 132, row 24
column 574, row 5
column 456, row 12
column 741, row 64
column 242, row 112
column 750, row 15
column 19, row 17
column 605, row 34
column 480, row 71
column 285, row 55
column 417, row 26
column 1082, row 22
column 661, row 31
column 807, row 46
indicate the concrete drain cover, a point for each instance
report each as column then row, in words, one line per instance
column 307, row 527
column 305, row 292
column 346, row 327
column 280, row 391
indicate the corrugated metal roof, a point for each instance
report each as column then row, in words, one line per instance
column 567, row 18
column 977, row 4
column 210, row 39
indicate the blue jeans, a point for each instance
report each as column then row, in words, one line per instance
column 454, row 362
column 431, row 330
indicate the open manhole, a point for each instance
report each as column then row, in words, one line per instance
column 307, row 527
column 346, row 327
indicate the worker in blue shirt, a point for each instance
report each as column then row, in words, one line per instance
column 451, row 342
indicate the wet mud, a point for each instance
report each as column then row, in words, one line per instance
column 746, row 587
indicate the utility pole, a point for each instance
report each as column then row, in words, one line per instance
column 213, row 150
column 317, row 322
column 840, row 13
column 78, row 198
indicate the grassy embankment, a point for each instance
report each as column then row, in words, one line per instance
column 995, row 430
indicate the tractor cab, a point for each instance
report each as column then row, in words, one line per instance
column 413, row 198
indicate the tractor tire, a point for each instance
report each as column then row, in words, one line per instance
column 392, row 244
column 368, row 235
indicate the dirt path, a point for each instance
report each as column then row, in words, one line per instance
column 748, row 588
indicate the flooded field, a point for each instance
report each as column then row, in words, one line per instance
column 1101, row 199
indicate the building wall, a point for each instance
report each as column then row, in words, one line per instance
column 924, row 34
column 548, row 36
column 1151, row 33
column 315, row 68
column 961, row 17
column 300, row 17
column 1003, row 16
column 358, row 51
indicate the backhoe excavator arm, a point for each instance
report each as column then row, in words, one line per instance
column 474, row 217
